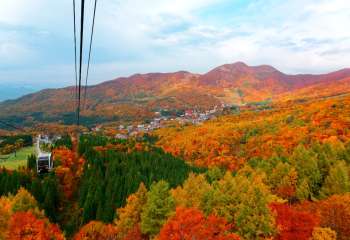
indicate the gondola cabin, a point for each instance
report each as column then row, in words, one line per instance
column 44, row 163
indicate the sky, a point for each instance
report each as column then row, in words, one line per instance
column 140, row 36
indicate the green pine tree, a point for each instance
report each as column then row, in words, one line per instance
column 159, row 207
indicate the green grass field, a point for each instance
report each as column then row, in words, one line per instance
column 20, row 160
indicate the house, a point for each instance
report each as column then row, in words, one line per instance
column 121, row 136
column 189, row 112
column 97, row 128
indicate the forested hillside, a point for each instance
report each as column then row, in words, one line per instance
column 230, row 141
column 280, row 173
column 138, row 97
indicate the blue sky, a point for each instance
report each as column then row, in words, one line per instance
column 138, row 36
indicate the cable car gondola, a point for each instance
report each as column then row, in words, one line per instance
column 44, row 163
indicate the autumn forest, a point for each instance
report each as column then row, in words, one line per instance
column 281, row 172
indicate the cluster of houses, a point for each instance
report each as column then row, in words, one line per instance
column 190, row 116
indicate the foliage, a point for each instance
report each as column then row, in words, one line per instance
column 31, row 162
column 11, row 181
column 338, row 180
column 293, row 224
column 130, row 215
column 234, row 139
column 23, row 202
column 27, row 140
column 110, row 176
column 190, row 223
column 158, row 208
column 64, row 141
column 193, row 193
column 283, row 180
column 21, row 218
column 239, row 199
column 279, row 173
column 335, row 214
column 26, row 226
column 5, row 214
column 323, row 234
column 96, row 230
column 68, row 168
column 244, row 200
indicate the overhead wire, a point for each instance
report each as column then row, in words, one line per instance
column 80, row 58
column 89, row 58
column 75, row 54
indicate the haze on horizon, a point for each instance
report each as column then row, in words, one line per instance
column 135, row 36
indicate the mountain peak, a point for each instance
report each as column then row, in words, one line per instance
column 239, row 64
column 265, row 68
column 243, row 67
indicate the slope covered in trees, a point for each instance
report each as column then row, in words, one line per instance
column 232, row 140
column 137, row 97
column 281, row 173
column 110, row 176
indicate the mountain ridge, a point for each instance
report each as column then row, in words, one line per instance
column 140, row 95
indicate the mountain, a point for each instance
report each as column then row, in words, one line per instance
column 258, row 83
column 137, row 97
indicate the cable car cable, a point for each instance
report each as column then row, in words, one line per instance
column 81, row 58
column 88, row 65
column 75, row 53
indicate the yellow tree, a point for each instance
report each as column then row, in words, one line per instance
column 323, row 234
column 24, row 201
column 192, row 193
column 243, row 199
column 130, row 215
column 5, row 214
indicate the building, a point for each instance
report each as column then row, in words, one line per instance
column 121, row 136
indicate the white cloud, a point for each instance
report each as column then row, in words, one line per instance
column 165, row 35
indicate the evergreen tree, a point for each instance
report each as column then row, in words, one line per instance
column 51, row 197
column 89, row 208
column 111, row 176
column 37, row 190
column 31, row 162
column 159, row 207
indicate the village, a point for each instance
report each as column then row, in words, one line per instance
column 161, row 120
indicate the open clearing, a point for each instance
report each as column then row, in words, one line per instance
column 12, row 162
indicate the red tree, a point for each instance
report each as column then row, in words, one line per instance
column 25, row 226
column 188, row 224
column 293, row 224
column 96, row 230
column 335, row 214
column 135, row 234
